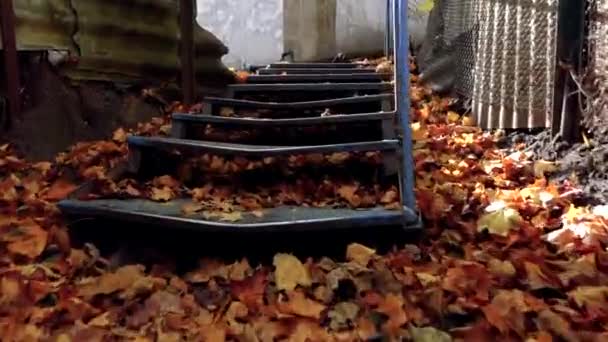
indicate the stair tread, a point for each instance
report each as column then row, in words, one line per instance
column 361, row 77
column 307, row 71
column 311, row 87
column 238, row 103
column 331, row 119
column 258, row 150
column 290, row 218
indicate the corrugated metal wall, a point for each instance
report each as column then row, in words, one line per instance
column 514, row 68
column 120, row 40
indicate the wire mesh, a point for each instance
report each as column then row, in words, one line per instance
column 504, row 52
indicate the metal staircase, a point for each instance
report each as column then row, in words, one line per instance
column 282, row 102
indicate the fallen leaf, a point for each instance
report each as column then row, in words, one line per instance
column 343, row 315
column 27, row 239
column 60, row 189
column 125, row 278
column 290, row 272
column 592, row 298
column 360, row 254
column 297, row 304
column 500, row 222
column 429, row 334
column 504, row 269
column 349, row 193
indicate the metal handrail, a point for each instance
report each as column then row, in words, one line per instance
column 402, row 100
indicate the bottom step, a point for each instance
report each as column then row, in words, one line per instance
column 279, row 219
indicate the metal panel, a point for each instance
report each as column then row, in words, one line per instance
column 119, row 40
column 513, row 73
column 596, row 74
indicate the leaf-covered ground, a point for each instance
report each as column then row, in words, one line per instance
column 507, row 257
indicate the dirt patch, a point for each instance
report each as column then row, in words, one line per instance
column 585, row 163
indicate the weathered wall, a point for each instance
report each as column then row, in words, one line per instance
column 253, row 29
column 258, row 31
column 79, row 59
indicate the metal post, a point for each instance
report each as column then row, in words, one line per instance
column 11, row 63
column 402, row 100
column 388, row 37
column 571, row 26
column 187, row 51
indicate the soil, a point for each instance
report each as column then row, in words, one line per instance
column 584, row 163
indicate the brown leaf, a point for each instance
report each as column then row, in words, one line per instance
column 290, row 272
column 60, row 189
column 297, row 304
column 28, row 239
column 163, row 194
column 393, row 307
column 359, row 254
column 348, row 193
column 129, row 279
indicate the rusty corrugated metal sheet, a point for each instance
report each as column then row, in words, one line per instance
column 119, row 40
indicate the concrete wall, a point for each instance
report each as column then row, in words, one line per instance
column 252, row 29
column 258, row 31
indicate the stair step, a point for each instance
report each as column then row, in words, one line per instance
column 318, row 78
column 280, row 219
column 255, row 122
column 317, row 65
column 239, row 103
column 137, row 143
column 309, row 87
column 314, row 71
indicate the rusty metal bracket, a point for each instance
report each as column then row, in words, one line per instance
column 11, row 63
column 187, row 20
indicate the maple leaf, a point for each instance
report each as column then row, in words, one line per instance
column 60, row 189
column 298, row 304
column 360, row 254
column 349, row 193
column 500, row 268
column 128, row 279
column 120, row 135
column 429, row 334
column 163, row 194
column 290, row 272
column 537, row 279
column 27, row 239
column 593, row 298
column 343, row 315
column 501, row 220
column 393, row 307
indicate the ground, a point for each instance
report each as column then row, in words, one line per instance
column 509, row 254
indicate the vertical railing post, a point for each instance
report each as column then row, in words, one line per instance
column 388, row 36
column 571, row 25
column 187, row 18
column 402, row 100
column 11, row 63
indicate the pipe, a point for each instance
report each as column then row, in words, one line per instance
column 187, row 19
column 11, row 62
column 402, row 100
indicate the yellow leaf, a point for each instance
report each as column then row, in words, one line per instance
column 468, row 121
column 501, row 268
column 429, row 334
column 418, row 131
column 359, row 254
column 500, row 222
column 453, row 117
column 427, row 6
column 591, row 297
column 290, row 272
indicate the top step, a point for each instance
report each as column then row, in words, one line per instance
column 318, row 78
column 315, row 71
column 318, row 65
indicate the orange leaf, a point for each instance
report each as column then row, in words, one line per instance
column 299, row 305
column 29, row 240
column 60, row 190
column 393, row 308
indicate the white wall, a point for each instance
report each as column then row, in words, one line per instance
column 360, row 25
column 252, row 29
